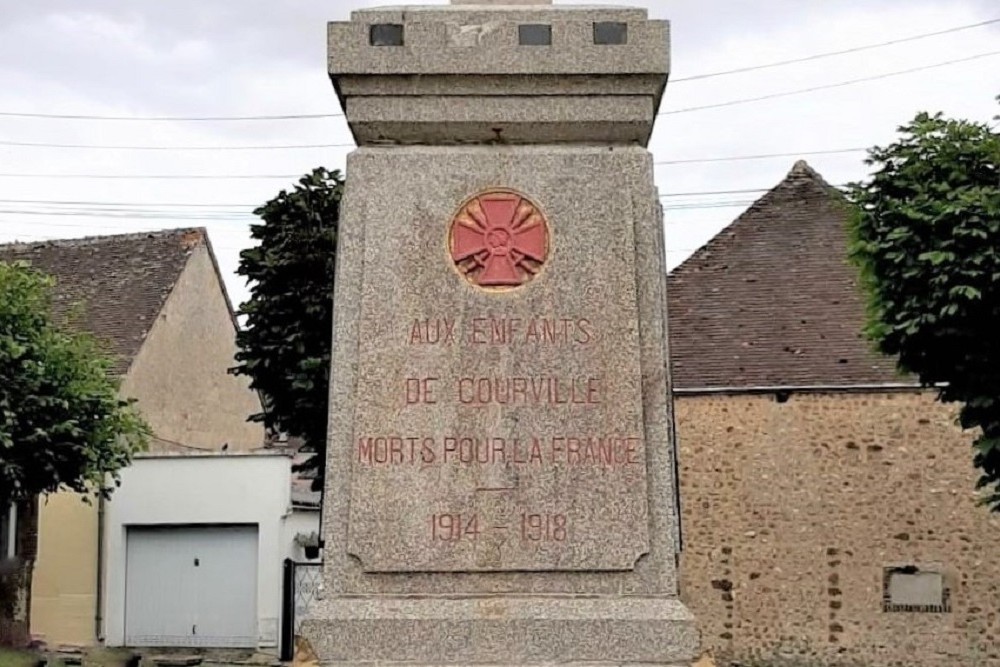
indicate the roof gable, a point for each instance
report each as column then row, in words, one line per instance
column 772, row 301
column 120, row 283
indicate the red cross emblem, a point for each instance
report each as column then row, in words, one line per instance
column 499, row 239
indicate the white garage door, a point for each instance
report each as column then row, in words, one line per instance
column 191, row 586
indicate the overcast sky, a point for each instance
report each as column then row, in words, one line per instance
column 257, row 57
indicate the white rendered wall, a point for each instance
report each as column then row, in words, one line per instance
column 198, row 490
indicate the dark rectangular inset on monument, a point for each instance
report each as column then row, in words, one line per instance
column 386, row 34
column 610, row 32
column 534, row 34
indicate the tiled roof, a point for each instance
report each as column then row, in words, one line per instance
column 772, row 301
column 112, row 286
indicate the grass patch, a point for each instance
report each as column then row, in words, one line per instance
column 12, row 658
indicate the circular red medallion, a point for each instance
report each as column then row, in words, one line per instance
column 499, row 239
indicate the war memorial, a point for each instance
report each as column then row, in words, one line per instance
column 500, row 485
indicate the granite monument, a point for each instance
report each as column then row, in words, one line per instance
column 500, row 472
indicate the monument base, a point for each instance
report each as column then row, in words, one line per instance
column 552, row 630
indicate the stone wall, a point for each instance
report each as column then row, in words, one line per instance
column 794, row 507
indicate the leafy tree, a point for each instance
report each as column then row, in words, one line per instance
column 62, row 423
column 927, row 237
column 285, row 346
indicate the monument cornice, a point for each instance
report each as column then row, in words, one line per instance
column 462, row 69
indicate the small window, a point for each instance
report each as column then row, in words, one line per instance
column 534, row 34
column 8, row 532
column 386, row 34
column 911, row 589
column 610, row 32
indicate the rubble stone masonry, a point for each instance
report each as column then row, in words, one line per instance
column 795, row 508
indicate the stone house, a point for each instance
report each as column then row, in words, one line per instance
column 158, row 302
column 829, row 505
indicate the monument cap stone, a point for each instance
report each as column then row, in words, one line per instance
column 462, row 74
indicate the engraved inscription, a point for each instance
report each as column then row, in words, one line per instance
column 499, row 432
column 601, row 452
column 514, row 331
column 533, row 527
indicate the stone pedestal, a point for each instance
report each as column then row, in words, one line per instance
column 500, row 472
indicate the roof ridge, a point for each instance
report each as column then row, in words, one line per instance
column 772, row 300
column 201, row 232
column 801, row 170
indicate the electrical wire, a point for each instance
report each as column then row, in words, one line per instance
column 760, row 156
column 312, row 116
column 828, row 86
column 828, row 54
column 39, row 144
column 692, row 193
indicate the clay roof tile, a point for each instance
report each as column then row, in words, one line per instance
column 112, row 286
column 772, row 300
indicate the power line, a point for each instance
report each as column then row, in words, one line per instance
column 37, row 238
column 696, row 206
column 839, row 84
column 828, row 54
column 762, row 156
column 155, row 176
column 75, row 116
column 151, row 215
column 299, row 146
column 246, row 218
column 713, row 192
column 34, row 144
column 99, row 227
column 216, row 247
column 311, row 116
column 113, row 203
column 110, row 218
column 189, row 204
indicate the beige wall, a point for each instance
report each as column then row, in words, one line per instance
column 180, row 375
column 64, row 582
column 792, row 510
column 183, row 389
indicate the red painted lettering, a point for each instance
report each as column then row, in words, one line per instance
column 519, row 387
column 396, row 450
column 608, row 452
column 536, row 452
column 478, row 334
column 499, row 331
column 432, row 332
column 466, row 391
column 427, row 450
column 450, row 448
column 531, row 335
column 365, row 450
column 558, row 449
column 420, row 390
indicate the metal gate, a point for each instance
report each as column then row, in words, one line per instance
column 301, row 582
